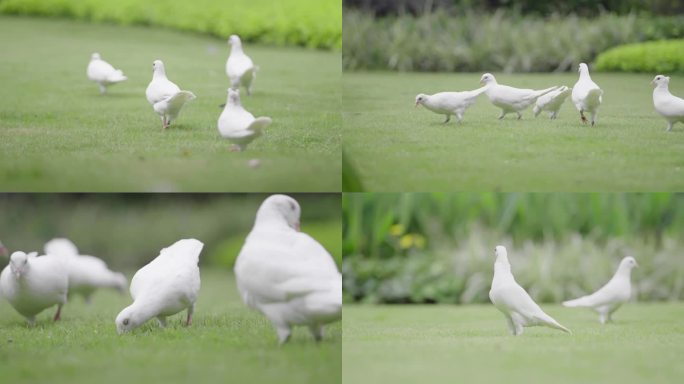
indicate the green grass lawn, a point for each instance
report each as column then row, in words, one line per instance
column 394, row 146
column 227, row 342
column 471, row 344
column 58, row 134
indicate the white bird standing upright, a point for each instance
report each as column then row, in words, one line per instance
column 86, row 273
column 238, row 125
column 611, row 296
column 239, row 67
column 167, row 285
column 551, row 102
column 32, row 284
column 513, row 301
column 166, row 98
column 449, row 103
column 510, row 99
column 103, row 73
column 586, row 95
column 286, row 274
column 666, row 104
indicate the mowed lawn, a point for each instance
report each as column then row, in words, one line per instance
column 57, row 133
column 227, row 342
column 471, row 344
column 394, row 146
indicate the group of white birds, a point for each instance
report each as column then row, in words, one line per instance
column 521, row 311
column 587, row 97
column 235, row 123
column 283, row 273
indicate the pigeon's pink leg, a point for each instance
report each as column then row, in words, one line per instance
column 58, row 315
column 191, row 309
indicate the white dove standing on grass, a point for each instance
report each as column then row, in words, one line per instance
column 611, row 296
column 167, row 285
column 32, row 284
column 510, row 99
column 103, row 73
column 552, row 102
column 286, row 274
column 512, row 300
column 449, row 103
column 238, row 125
column 586, row 95
column 166, row 98
column 666, row 104
column 240, row 69
column 86, row 273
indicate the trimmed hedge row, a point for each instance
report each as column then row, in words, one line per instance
column 308, row 23
column 666, row 56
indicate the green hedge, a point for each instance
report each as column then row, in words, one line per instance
column 309, row 23
column 499, row 41
column 666, row 56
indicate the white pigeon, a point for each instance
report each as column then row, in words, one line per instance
column 167, row 285
column 166, row 98
column 510, row 99
column 666, row 104
column 586, row 95
column 86, row 273
column 286, row 274
column 32, row 284
column 238, row 125
column 611, row 296
column 103, row 73
column 240, row 69
column 552, row 102
column 449, row 103
column 512, row 300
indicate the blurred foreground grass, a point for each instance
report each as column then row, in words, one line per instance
column 227, row 342
column 471, row 344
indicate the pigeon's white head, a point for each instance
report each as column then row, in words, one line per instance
column 583, row 69
column 60, row 247
column 234, row 41
column 500, row 251
column 487, row 78
column 95, row 56
column 158, row 67
column 421, row 98
column 19, row 263
column 280, row 208
column 628, row 263
column 233, row 96
column 660, row 80
column 128, row 319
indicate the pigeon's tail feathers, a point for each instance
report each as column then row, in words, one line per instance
column 176, row 101
column 594, row 97
column 550, row 322
column 576, row 303
column 259, row 124
column 543, row 92
column 117, row 77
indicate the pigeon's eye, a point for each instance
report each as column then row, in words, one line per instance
column 292, row 206
column 125, row 322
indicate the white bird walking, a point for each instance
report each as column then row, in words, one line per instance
column 238, row 125
column 86, row 273
column 287, row 275
column 510, row 99
column 666, row 104
column 240, row 69
column 32, row 284
column 586, row 95
column 166, row 98
column 512, row 300
column 167, row 285
column 552, row 102
column 103, row 73
column 449, row 103
column 611, row 296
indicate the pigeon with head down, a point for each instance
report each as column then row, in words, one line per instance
column 551, row 102
column 666, row 104
column 102, row 73
column 513, row 301
column 166, row 97
column 286, row 274
column 611, row 296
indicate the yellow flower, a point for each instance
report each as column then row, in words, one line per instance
column 396, row 230
column 406, row 241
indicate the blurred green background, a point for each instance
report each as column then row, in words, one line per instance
column 129, row 230
column 508, row 35
column 438, row 247
column 309, row 23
